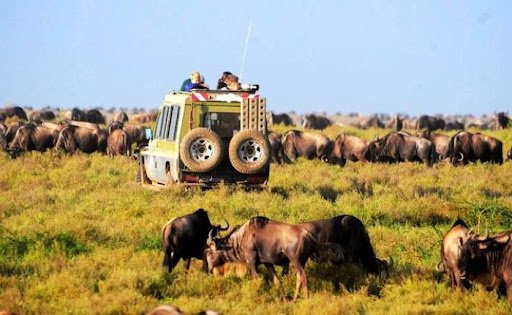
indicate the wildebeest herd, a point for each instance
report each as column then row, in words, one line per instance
column 82, row 131
column 425, row 147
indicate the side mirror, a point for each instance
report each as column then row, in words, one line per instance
column 149, row 133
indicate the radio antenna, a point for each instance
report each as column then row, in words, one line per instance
column 245, row 49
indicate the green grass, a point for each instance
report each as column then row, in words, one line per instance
column 78, row 236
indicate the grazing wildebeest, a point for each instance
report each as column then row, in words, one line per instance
column 371, row 122
column 489, row 259
column 185, row 238
column 32, row 137
column 451, row 244
column 262, row 241
column 283, row 118
column 136, row 133
column 349, row 232
column 44, row 115
column 276, row 147
column 430, row 123
column 465, row 147
column 347, row 147
column 400, row 147
column 121, row 116
column 313, row 121
column 439, row 141
column 119, row 142
column 14, row 111
column 307, row 145
column 85, row 137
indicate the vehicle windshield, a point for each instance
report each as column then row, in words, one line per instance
column 224, row 124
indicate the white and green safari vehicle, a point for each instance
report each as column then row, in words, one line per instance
column 206, row 137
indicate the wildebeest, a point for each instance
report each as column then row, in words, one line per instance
column 503, row 120
column 32, row 137
column 262, row 241
column 451, row 244
column 349, row 232
column 453, row 125
column 82, row 136
column 165, row 310
column 141, row 118
column 307, row 145
column 283, row 118
column 347, row 147
column 276, row 147
column 400, row 147
column 465, row 147
column 136, row 133
column 121, row 116
column 371, row 122
column 15, row 111
column 12, row 129
column 119, row 142
column 93, row 116
column 430, row 123
column 43, row 115
column 313, row 121
column 489, row 258
column 439, row 141
column 185, row 238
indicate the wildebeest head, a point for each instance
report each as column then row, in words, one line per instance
column 114, row 124
column 77, row 114
column 477, row 255
column 66, row 140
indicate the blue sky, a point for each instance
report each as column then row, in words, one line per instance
column 335, row 56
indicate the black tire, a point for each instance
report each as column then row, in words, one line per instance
column 249, row 151
column 201, row 150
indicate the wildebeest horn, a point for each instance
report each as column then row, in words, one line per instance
column 224, row 228
column 210, row 235
column 438, row 268
column 461, row 157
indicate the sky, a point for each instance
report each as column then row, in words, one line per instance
column 333, row 56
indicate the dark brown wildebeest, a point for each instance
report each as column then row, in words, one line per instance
column 465, row 147
column 307, row 145
column 262, row 241
column 453, row 125
column 15, row 111
column 82, row 136
column 185, row 238
column 349, row 148
column 32, row 137
column 121, row 116
column 44, row 115
column 276, row 147
column 490, row 259
column 439, row 141
column 430, row 123
column 400, row 147
column 119, row 142
column 349, row 232
column 12, row 129
column 283, row 118
column 502, row 120
column 313, row 121
column 94, row 116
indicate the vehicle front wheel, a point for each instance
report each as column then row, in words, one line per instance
column 201, row 150
column 249, row 151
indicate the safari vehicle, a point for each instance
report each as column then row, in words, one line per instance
column 206, row 137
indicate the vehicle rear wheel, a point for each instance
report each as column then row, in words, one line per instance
column 249, row 151
column 201, row 150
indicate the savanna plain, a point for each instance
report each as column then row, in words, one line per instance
column 79, row 236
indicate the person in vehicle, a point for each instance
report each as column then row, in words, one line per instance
column 220, row 82
column 195, row 82
column 232, row 83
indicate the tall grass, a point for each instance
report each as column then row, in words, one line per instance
column 77, row 235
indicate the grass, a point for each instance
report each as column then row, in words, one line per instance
column 78, row 236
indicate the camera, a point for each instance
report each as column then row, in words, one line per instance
column 250, row 87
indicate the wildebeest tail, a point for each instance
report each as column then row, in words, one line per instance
column 357, row 243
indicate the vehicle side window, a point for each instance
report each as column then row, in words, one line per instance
column 174, row 123
column 162, row 123
column 159, row 124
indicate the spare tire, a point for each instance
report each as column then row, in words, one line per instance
column 249, row 151
column 201, row 150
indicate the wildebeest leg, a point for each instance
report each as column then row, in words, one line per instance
column 302, row 282
column 187, row 264
column 272, row 271
column 252, row 267
column 172, row 263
